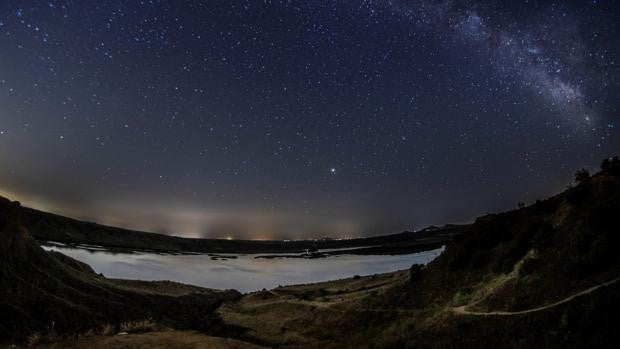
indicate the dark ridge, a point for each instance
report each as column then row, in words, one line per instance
column 41, row 291
column 518, row 261
column 50, row 227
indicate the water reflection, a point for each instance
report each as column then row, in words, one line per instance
column 244, row 273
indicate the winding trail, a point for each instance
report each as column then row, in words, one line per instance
column 463, row 311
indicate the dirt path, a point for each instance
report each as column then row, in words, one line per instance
column 463, row 311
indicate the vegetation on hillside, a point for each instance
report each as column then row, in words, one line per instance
column 48, row 293
column 544, row 275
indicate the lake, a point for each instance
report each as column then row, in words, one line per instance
column 244, row 273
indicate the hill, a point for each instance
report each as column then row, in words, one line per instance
column 45, row 226
column 43, row 292
column 546, row 275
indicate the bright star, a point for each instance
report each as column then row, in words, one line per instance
column 332, row 170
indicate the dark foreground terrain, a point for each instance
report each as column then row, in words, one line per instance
column 47, row 292
column 546, row 275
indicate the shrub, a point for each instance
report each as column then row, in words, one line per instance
column 611, row 164
column 544, row 236
column 33, row 340
column 529, row 266
column 306, row 295
column 545, row 206
column 479, row 259
column 106, row 330
column 147, row 325
column 415, row 272
column 582, row 175
column 578, row 194
column 462, row 297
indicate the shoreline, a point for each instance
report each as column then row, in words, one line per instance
column 377, row 250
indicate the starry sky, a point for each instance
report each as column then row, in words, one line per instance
column 298, row 119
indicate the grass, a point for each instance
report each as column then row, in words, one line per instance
column 298, row 309
column 146, row 325
column 516, row 260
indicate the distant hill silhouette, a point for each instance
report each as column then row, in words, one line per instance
column 46, row 226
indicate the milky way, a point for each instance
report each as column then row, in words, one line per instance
column 265, row 119
column 543, row 51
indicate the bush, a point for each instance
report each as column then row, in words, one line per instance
column 582, row 175
column 415, row 272
column 479, row 259
column 545, row 206
column 611, row 164
column 529, row 266
column 544, row 236
column 106, row 330
column 578, row 194
column 514, row 250
column 306, row 295
column 33, row 340
column 147, row 325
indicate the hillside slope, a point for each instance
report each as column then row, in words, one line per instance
column 49, row 292
column 547, row 275
column 544, row 275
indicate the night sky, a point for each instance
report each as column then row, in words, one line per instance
column 269, row 119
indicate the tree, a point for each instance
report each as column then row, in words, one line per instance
column 611, row 165
column 582, row 175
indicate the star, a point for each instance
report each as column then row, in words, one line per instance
column 190, row 100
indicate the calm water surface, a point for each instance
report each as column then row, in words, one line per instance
column 245, row 273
